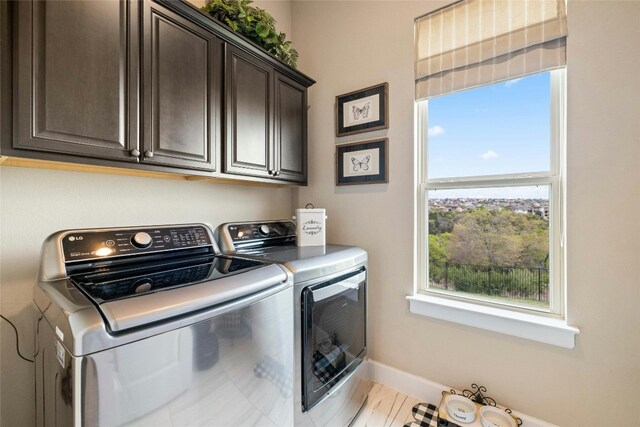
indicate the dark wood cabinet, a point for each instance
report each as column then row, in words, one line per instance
column 290, row 129
column 249, row 115
column 76, row 78
column 266, row 120
column 182, row 73
column 153, row 85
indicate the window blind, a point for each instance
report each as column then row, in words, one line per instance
column 475, row 42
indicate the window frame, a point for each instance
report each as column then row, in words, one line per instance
column 555, row 178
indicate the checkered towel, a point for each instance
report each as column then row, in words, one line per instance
column 275, row 372
column 426, row 415
column 323, row 369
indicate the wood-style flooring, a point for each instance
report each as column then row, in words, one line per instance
column 385, row 408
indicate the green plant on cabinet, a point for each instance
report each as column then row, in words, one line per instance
column 254, row 23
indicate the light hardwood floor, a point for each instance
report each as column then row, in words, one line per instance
column 385, row 408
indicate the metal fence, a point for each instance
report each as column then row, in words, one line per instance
column 508, row 282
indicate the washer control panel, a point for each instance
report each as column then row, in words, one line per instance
column 261, row 230
column 107, row 243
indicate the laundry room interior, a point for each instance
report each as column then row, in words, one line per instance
column 381, row 213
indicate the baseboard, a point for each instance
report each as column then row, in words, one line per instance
column 426, row 390
column 412, row 385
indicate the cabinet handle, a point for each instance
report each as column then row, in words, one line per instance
column 276, row 173
column 270, row 172
column 148, row 154
column 134, row 153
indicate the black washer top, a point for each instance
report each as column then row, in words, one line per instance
column 113, row 283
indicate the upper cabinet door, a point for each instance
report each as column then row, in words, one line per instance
column 290, row 130
column 76, row 78
column 182, row 74
column 249, row 109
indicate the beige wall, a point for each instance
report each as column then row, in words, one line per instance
column 349, row 45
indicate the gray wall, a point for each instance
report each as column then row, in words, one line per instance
column 354, row 44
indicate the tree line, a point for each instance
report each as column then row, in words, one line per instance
column 489, row 237
column 490, row 252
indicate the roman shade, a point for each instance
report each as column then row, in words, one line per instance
column 475, row 42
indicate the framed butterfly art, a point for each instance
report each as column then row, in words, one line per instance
column 364, row 162
column 363, row 110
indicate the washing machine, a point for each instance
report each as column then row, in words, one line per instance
column 153, row 326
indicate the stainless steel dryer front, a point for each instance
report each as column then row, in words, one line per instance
column 330, row 310
column 151, row 326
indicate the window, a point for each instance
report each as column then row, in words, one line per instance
column 491, row 194
column 490, row 92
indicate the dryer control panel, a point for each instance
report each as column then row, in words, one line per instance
column 244, row 232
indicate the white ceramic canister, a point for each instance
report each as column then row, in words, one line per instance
column 310, row 226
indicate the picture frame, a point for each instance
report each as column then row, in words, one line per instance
column 363, row 110
column 363, row 162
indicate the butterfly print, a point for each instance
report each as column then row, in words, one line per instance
column 360, row 164
column 363, row 112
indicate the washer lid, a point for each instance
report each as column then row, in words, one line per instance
column 86, row 327
column 160, row 306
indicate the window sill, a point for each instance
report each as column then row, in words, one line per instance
column 528, row 326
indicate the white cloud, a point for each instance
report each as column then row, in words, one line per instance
column 510, row 83
column 489, row 155
column 435, row 131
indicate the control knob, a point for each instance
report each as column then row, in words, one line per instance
column 141, row 240
column 264, row 229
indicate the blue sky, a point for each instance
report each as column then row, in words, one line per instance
column 496, row 129
column 501, row 128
